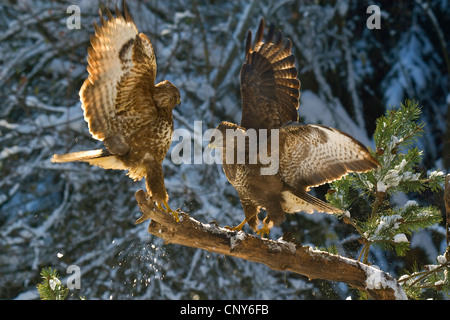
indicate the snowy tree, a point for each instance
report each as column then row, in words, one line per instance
column 386, row 223
column 60, row 215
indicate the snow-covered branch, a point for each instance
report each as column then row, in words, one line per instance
column 277, row 255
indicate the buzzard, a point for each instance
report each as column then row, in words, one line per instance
column 124, row 108
column 306, row 155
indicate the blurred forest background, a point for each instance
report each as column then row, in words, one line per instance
column 73, row 214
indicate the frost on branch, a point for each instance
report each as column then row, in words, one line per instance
column 278, row 255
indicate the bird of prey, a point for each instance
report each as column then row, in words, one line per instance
column 306, row 155
column 124, row 108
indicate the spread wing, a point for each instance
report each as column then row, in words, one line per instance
column 269, row 86
column 117, row 95
column 311, row 155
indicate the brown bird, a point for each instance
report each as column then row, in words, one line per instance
column 124, row 108
column 302, row 156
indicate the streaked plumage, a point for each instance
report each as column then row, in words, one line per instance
column 123, row 107
column 307, row 155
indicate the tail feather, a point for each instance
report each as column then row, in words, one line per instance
column 99, row 157
column 80, row 156
column 295, row 201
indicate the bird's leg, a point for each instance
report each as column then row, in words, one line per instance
column 275, row 215
column 238, row 227
column 265, row 229
column 167, row 209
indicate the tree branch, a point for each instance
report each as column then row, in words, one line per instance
column 277, row 255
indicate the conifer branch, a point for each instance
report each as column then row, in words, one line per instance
column 51, row 288
column 277, row 255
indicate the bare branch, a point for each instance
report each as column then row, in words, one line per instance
column 277, row 255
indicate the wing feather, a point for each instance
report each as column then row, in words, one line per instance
column 311, row 155
column 117, row 95
column 269, row 86
column 105, row 70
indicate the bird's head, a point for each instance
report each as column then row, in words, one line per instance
column 225, row 131
column 166, row 95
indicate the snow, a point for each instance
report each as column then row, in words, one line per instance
column 396, row 175
column 381, row 187
column 289, row 245
column 439, row 283
column 8, row 152
column 28, row 295
column 384, row 223
column 441, row 259
column 436, row 174
column 401, row 237
column 54, row 282
column 411, row 203
column 376, row 279
column 235, row 239
column 183, row 15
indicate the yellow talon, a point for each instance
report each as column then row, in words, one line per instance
column 238, row 227
column 168, row 210
column 265, row 229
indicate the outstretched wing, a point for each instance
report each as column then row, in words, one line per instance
column 269, row 86
column 311, row 155
column 117, row 95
